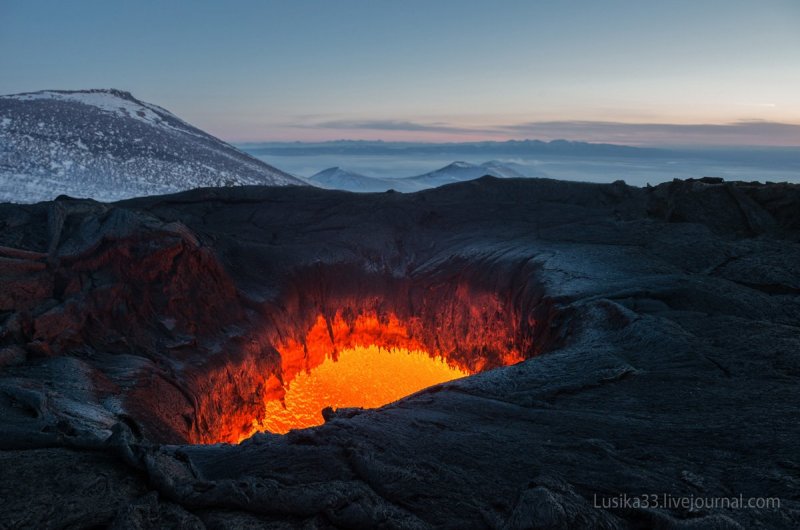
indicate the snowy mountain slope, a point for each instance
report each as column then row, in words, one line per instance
column 107, row 145
column 336, row 178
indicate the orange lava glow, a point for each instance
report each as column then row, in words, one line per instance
column 360, row 377
column 366, row 361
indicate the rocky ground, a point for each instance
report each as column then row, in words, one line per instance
column 661, row 326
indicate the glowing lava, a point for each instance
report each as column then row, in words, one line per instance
column 362, row 376
column 363, row 361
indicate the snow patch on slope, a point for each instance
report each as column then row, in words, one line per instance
column 108, row 145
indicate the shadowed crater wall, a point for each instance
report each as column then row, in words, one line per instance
column 149, row 313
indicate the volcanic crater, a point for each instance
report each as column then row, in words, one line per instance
column 608, row 333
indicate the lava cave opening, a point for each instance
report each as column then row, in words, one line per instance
column 338, row 338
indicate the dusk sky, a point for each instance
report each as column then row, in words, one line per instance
column 635, row 72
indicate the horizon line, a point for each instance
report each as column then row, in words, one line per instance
column 515, row 140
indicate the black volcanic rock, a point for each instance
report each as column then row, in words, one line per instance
column 108, row 145
column 660, row 326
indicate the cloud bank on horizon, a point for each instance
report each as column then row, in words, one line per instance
column 746, row 132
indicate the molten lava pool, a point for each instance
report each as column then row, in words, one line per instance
column 364, row 360
column 360, row 376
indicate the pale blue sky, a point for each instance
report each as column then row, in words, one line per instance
column 424, row 70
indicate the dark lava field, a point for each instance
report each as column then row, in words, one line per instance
column 621, row 341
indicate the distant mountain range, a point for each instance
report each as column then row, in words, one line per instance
column 108, row 145
column 342, row 179
column 782, row 158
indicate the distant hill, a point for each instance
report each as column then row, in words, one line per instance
column 342, row 179
column 108, row 145
column 336, row 178
column 460, row 172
